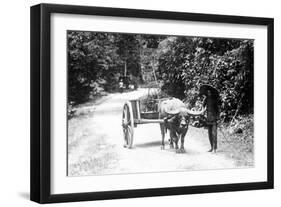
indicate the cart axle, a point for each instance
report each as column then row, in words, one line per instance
column 148, row 121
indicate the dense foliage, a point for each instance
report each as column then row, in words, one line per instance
column 227, row 64
column 96, row 61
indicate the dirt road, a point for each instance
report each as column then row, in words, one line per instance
column 95, row 144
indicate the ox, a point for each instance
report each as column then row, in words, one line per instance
column 176, row 118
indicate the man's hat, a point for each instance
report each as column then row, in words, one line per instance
column 204, row 88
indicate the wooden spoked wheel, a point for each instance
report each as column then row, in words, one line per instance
column 128, row 125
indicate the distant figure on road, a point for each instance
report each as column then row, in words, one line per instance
column 211, row 102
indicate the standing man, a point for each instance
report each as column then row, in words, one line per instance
column 211, row 103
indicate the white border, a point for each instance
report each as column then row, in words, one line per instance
column 60, row 183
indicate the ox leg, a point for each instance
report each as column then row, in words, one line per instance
column 171, row 141
column 175, row 139
column 182, row 150
column 162, row 128
column 176, row 144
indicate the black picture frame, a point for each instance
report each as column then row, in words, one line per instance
column 41, row 96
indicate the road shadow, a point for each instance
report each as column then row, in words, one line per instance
column 150, row 144
column 190, row 151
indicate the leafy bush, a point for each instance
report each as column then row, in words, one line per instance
column 227, row 64
column 96, row 61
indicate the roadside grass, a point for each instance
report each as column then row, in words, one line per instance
column 88, row 151
column 98, row 158
column 236, row 140
column 93, row 155
column 78, row 130
column 85, row 108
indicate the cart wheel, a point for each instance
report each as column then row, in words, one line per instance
column 128, row 125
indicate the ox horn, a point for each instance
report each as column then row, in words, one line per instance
column 196, row 113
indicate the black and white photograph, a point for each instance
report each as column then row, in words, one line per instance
column 145, row 103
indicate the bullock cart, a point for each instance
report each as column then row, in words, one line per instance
column 132, row 116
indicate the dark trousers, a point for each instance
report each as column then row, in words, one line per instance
column 212, row 131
